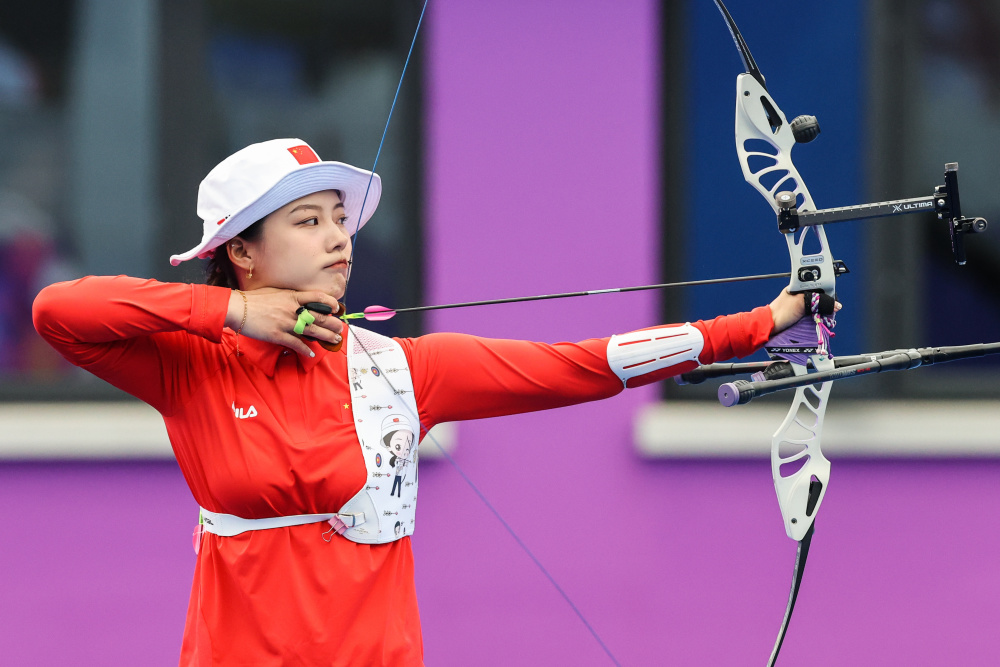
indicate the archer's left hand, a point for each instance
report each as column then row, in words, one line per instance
column 787, row 309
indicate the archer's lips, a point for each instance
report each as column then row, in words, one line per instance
column 338, row 266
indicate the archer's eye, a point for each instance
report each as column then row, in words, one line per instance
column 310, row 221
column 342, row 220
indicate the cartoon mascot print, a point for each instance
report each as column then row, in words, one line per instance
column 397, row 437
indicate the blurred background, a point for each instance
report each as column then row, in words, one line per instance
column 537, row 147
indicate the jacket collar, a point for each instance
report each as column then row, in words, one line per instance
column 265, row 355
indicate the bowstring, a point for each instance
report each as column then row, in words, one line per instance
column 510, row 530
column 378, row 153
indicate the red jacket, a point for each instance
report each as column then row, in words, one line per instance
column 286, row 596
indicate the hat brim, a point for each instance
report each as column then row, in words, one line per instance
column 359, row 188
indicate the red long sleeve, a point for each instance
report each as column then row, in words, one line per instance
column 464, row 377
column 139, row 335
column 736, row 335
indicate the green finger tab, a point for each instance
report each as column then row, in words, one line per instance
column 305, row 319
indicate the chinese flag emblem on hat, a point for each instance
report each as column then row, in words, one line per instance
column 303, row 154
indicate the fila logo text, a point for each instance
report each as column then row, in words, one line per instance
column 240, row 413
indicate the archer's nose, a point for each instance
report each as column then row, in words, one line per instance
column 338, row 238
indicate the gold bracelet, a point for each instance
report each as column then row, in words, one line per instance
column 242, row 294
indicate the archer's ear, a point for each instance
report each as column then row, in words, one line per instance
column 239, row 253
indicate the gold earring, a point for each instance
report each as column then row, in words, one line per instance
column 250, row 273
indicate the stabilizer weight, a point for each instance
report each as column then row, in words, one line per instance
column 736, row 393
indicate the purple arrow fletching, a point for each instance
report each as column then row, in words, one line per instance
column 379, row 313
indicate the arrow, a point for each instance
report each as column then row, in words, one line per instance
column 381, row 313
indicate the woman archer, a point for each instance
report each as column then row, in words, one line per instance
column 305, row 555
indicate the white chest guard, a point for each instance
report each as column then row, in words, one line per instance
column 388, row 427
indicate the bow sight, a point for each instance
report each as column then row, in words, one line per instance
column 770, row 377
column 945, row 202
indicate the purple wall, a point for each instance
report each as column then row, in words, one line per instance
column 541, row 177
column 95, row 563
column 542, row 163
column 688, row 565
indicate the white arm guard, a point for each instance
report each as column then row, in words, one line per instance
column 639, row 352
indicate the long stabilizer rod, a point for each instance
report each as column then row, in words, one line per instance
column 744, row 391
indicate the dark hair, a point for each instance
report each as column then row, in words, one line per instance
column 220, row 270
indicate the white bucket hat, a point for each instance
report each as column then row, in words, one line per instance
column 261, row 178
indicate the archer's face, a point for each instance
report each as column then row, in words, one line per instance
column 304, row 246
